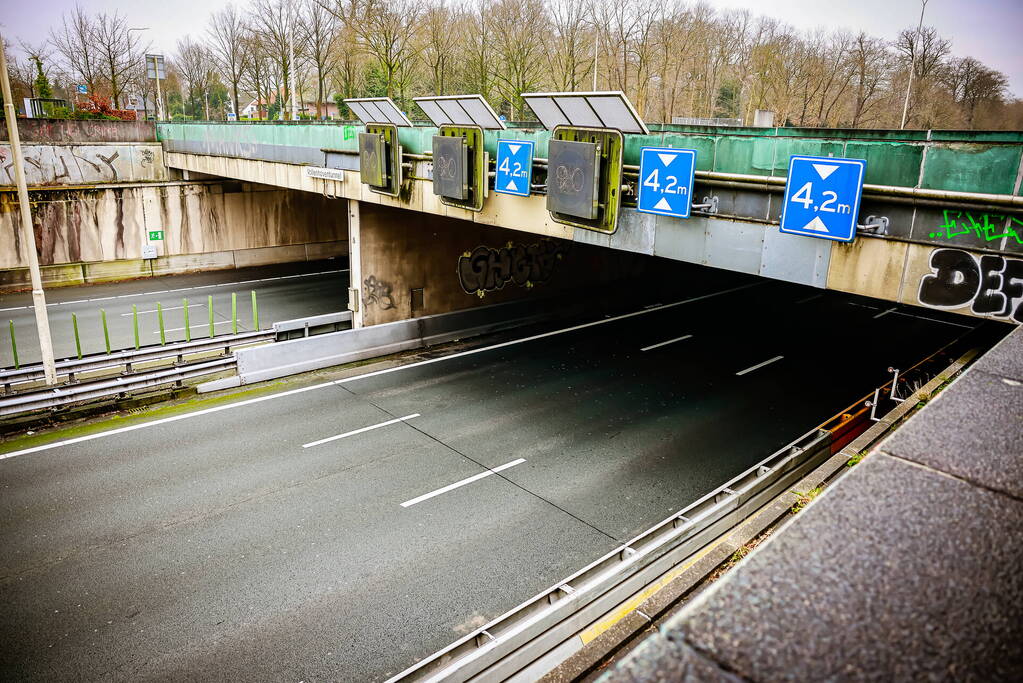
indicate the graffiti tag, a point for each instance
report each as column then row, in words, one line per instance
column 485, row 269
column 989, row 227
column 992, row 285
column 379, row 292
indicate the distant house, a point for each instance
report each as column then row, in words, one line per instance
column 328, row 110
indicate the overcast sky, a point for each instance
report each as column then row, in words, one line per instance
column 988, row 30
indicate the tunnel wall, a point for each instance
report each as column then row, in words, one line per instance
column 459, row 264
column 97, row 234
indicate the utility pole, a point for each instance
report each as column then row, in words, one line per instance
column 27, row 230
column 912, row 64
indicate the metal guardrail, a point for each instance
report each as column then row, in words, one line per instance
column 49, row 397
column 517, row 638
column 126, row 358
column 532, row 634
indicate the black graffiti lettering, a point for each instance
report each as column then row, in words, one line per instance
column 1012, row 288
column 990, row 298
column 379, row 292
column 954, row 284
column 486, row 269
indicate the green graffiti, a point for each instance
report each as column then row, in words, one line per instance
column 959, row 223
column 349, row 132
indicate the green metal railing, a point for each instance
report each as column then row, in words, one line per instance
column 136, row 328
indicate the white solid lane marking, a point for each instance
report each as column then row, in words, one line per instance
column 545, row 334
column 459, row 484
column 196, row 326
column 665, row 343
column 933, row 320
column 180, row 289
column 240, row 404
column 884, row 312
column 759, row 365
column 359, row 431
column 809, row 298
column 168, row 308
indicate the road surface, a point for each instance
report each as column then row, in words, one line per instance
column 345, row 529
column 283, row 292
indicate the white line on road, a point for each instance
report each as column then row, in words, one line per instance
column 196, row 326
column 884, row 313
column 933, row 320
column 759, row 365
column 179, row 289
column 459, row 484
column 290, row 392
column 168, row 308
column 359, row 431
column 665, row 343
column 809, row 298
column 546, row 334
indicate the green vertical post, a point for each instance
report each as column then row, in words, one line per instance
column 209, row 307
column 106, row 330
column 14, row 347
column 135, row 323
column 188, row 330
column 255, row 312
column 234, row 313
column 78, row 340
column 159, row 320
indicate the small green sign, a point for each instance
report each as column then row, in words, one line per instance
column 155, row 235
column 349, row 132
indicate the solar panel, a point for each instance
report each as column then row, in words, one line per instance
column 378, row 110
column 460, row 110
column 586, row 109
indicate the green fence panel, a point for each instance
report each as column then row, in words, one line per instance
column 971, row 167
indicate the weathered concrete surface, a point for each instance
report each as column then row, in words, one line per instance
column 206, row 226
column 906, row 569
column 893, row 268
column 459, row 264
column 65, row 130
column 85, row 164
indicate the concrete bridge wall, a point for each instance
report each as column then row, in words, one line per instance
column 95, row 202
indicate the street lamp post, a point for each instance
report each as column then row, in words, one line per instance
column 27, row 229
column 912, row 64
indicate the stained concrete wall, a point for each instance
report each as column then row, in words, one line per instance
column 66, row 130
column 459, row 264
column 206, row 225
column 84, row 164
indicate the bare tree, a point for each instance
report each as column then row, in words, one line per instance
column 871, row 64
column 274, row 23
column 386, row 30
column 75, row 42
column 117, row 50
column 436, row 52
column 320, row 35
column 194, row 65
column 228, row 48
column 568, row 44
column 518, row 26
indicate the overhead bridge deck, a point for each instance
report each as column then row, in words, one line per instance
column 953, row 237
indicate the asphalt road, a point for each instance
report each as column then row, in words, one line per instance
column 234, row 543
column 283, row 292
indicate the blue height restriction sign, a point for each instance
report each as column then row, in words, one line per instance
column 822, row 197
column 666, row 181
column 514, row 167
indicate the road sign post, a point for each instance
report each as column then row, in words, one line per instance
column 822, row 197
column 514, row 167
column 666, row 181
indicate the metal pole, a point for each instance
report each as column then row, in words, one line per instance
column 159, row 95
column 595, row 41
column 27, row 230
column 912, row 64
